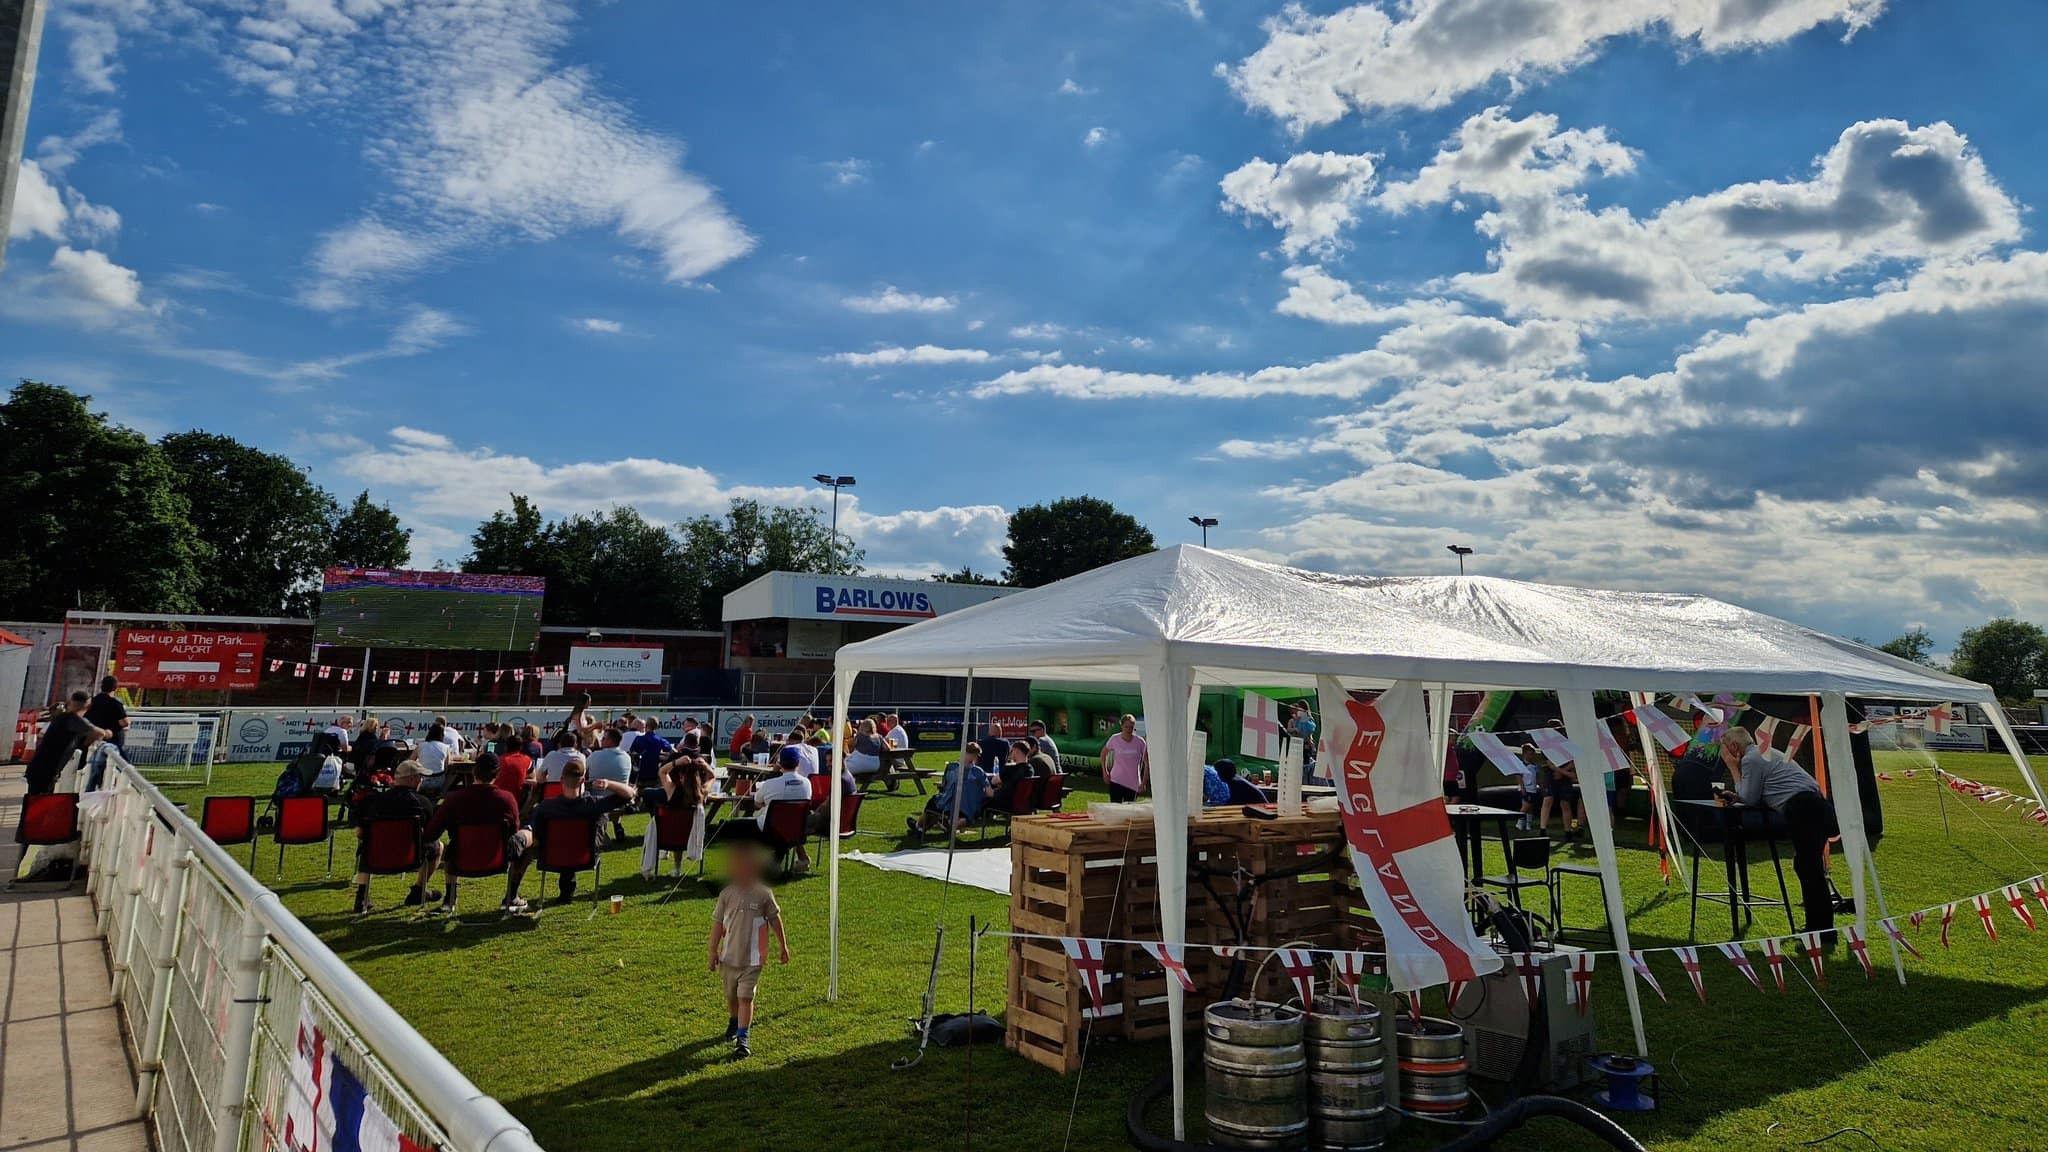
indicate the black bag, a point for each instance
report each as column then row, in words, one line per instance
column 951, row 1030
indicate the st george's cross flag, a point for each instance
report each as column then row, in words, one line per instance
column 1891, row 929
column 1798, row 740
column 1948, row 919
column 1531, row 972
column 2017, row 901
column 1390, row 795
column 1642, row 970
column 1087, row 957
column 1500, row 755
column 1859, row 947
column 2040, row 889
column 1689, row 959
column 1260, row 731
column 1350, row 968
column 1173, row 958
column 1940, row 719
column 1300, row 966
column 1983, row 902
column 1774, row 955
column 1663, row 728
column 1810, row 943
column 1736, row 956
column 1582, row 980
column 1555, row 746
column 1766, row 732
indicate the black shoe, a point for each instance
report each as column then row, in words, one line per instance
column 740, row 1051
column 362, row 904
column 732, row 1031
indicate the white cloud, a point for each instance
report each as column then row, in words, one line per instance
column 890, row 299
column 1314, row 69
column 1495, row 156
column 598, row 325
column 849, row 171
column 419, row 331
column 1096, row 137
column 365, row 252
column 1037, row 332
column 59, row 152
column 1069, row 87
column 1314, row 294
column 91, row 278
column 922, row 354
column 1310, row 198
column 1885, row 190
column 38, row 207
column 82, row 288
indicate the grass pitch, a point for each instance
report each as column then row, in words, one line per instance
column 602, row 1033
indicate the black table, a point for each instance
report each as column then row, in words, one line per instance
column 1473, row 841
column 1735, row 834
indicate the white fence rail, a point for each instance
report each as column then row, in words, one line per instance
column 250, row 1033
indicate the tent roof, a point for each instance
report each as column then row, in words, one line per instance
column 1241, row 621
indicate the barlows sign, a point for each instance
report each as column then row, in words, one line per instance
column 615, row 665
column 875, row 599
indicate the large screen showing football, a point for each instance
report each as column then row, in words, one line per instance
column 387, row 608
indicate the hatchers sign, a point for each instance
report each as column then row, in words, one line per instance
column 613, row 665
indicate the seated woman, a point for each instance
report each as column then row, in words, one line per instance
column 685, row 785
column 866, row 757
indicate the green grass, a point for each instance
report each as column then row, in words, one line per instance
column 602, row 1034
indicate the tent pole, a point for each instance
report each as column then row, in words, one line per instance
column 1583, row 727
column 1848, row 799
column 842, row 699
column 1166, row 688
column 2012, row 748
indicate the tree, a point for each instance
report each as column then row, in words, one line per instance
column 509, row 542
column 722, row 553
column 90, row 513
column 1053, row 541
column 369, row 536
column 1913, row 644
column 2010, row 655
column 263, row 526
column 965, row 574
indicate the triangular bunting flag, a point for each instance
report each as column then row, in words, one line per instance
column 1531, row 973
column 326, row 673
column 1662, row 728
column 1918, row 918
column 1766, row 732
column 1582, row 979
column 1555, row 747
column 1797, row 741
column 299, row 670
column 1350, row 968
column 1689, row 959
column 1452, row 991
column 1810, row 941
column 1300, row 966
column 1087, row 958
column 1859, row 947
column 276, row 664
column 1642, row 967
column 2017, row 901
column 1891, row 929
column 1948, row 919
column 1774, row 955
column 348, row 673
column 2040, row 890
column 1983, row 902
column 1171, row 958
column 1736, row 956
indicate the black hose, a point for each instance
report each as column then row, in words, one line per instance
column 1479, row 1135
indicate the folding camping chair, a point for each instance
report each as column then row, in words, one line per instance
column 1014, row 801
column 302, row 820
column 787, row 827
column 1052, row 792
column 230, row 820
column 389, row 847
column 849, row 821
column 477, row 850
column 1528, row 860
column 565, row 846
column 49, row 819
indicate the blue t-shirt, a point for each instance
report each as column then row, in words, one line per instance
column 648, row 752
column 1214, row 790
column 1243, row 791
column 971, row 800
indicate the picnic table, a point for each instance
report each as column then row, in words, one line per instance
column 898, row 765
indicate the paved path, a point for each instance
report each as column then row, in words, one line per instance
column 65, row 1081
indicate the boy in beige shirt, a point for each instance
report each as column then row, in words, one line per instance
column 740, row 923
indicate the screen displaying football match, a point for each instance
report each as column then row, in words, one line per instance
column 385, row 608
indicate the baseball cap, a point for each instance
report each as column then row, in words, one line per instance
column 791, row 758
column 409, row 770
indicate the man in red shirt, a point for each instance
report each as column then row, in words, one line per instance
column 515, row 767
column 479, row 802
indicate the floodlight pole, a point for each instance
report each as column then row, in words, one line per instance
column 1204, row 523
column 1462, row 552
column 834, row 482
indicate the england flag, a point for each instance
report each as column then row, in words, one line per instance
column 1390, row 793
column 1260, row 732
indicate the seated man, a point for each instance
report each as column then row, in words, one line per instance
column 1214, row 790
column 603, row 798
column 1242, row 791
column 972, row 794
column 896, row 737
column 1016, row 766
column 792, row 783
column 481, row 801
column 401, row 801
column 611, row 762
column 1784, row 787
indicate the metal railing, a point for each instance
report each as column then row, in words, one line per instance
column 249, row 1032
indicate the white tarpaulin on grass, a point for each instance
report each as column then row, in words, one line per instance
column 984, row 868
column 1184, row 617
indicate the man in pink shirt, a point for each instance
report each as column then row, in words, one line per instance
column 1125, row 764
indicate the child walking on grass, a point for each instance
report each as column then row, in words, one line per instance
column 740, row 923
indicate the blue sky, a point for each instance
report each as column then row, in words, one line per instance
column 1736, row 296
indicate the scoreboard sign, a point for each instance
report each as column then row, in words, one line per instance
column 189, row 659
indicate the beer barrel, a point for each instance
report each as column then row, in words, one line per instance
column 1347, row 1082
column 1432, row 1059
column 1255, row 1070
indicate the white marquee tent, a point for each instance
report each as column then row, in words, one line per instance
column 1184, row 617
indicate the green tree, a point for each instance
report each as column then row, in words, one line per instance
column 369, row 536
column 1053, row 541
column 2010, row 655
column 1913, row 644
column 90, row 513
column 263, row 525
column 720, row 553
column 965, row 574
column 510, row 542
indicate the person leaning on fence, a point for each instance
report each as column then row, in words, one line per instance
column 603, row 798
column 480, row 801
column 401, row 801
column 1774, row 782
column 106, row 711
column 68, row 732
column 972, row 794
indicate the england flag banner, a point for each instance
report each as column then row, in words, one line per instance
column 1500, row 756
column 1390, row 793
column 1260, row 733
column 1663, row 728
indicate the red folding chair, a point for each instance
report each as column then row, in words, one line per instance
column 1016, row 800
column 230, row 820
column 567, row 845
column 477, row 850
column 1052, row 792
column 849, row 819
column 550, row 789
column 787, row 826
column 302, row 820
column 47, row 820
column 389, row 847
column 671, row 831
column 821, row 790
